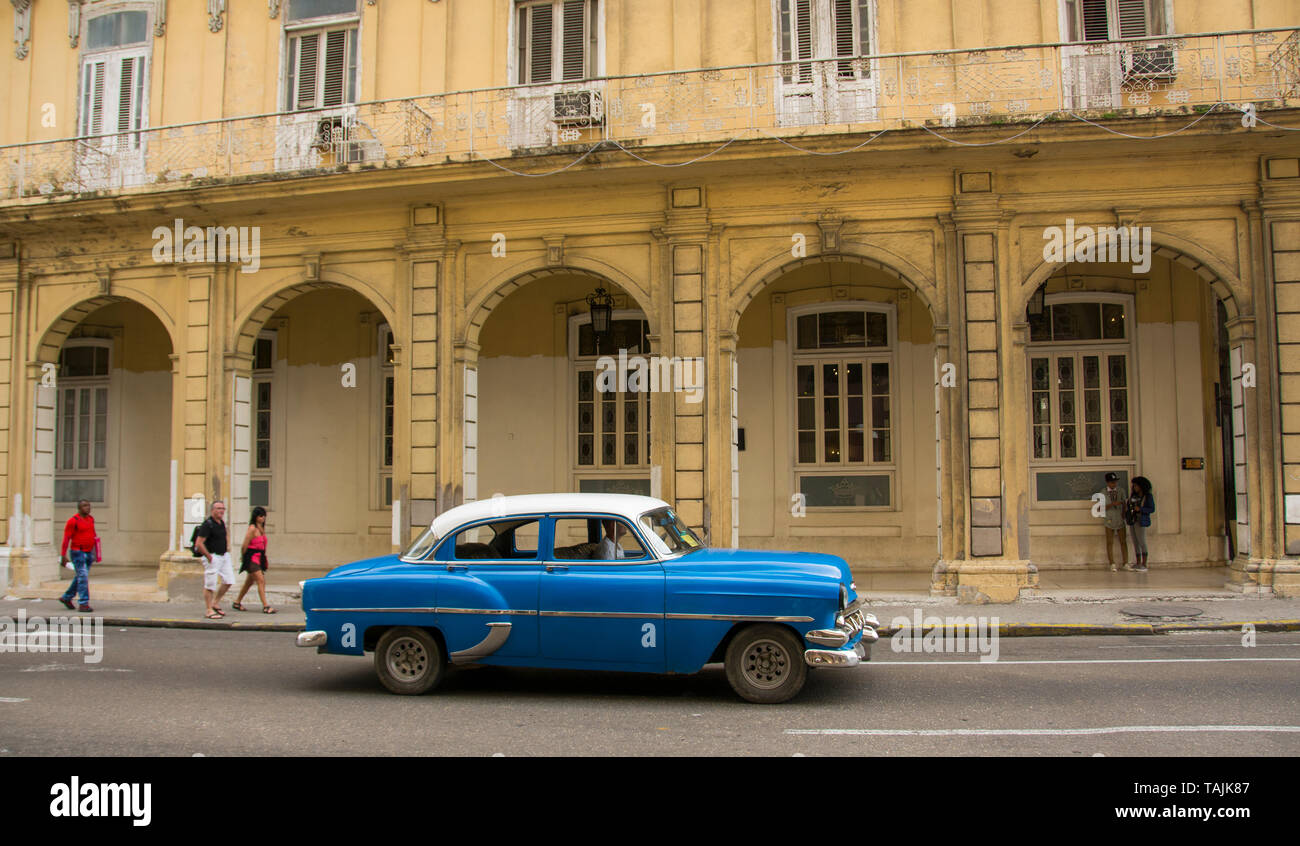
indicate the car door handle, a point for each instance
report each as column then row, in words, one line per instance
column 451, row 567
column 551, row 568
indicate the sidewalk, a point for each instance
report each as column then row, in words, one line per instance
column 1048, row 615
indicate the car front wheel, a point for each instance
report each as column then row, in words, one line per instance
column 765, row 664
column 409, row 661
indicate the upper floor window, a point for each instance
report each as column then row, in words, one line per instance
column 1112, row 20
column 321, row 69
column 556, row 41
column 114, row 70
column 823, row 29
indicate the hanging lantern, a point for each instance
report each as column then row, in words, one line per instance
column 602, row 310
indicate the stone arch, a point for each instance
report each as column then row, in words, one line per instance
column 1231, row 291
column 251, row 321
column 856, row 253
column 51, row 340
column 481, row 306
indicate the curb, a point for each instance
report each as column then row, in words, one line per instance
column 174, row 623
column 1068, row 629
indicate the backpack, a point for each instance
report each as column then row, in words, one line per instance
column 194, row 536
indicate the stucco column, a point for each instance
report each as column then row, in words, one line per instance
column 1281, row 227
column 950, row 461
column 993, row 568
column 420, row 464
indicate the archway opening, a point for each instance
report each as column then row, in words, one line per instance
column 102, row 429
column 1129, row 371
column 315, row 428
column 545, row 420
column 836, row 419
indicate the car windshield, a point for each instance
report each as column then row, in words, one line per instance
column 427, row 540
column 674, row 535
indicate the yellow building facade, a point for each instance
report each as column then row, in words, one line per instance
column 915, row 275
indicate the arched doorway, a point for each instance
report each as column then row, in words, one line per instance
column 541, row 418
column 1135, row 371
column 102, row 425
column 836, row 416
column 315, row 425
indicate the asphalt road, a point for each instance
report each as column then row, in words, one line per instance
column 184, row 692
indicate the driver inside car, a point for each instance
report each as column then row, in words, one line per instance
column 608, row 548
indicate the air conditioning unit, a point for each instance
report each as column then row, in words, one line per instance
column 583, row 108
column 1149, row 62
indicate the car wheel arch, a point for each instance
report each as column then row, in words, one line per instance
column 370, row 638
column 719, row 653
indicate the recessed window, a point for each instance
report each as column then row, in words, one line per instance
column 1079, row 321
column 118, row 29
column 557, row 40
column 300, row 10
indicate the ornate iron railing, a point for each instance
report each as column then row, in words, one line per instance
column 984, row 87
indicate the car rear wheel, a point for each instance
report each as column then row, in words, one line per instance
column 409, row 661
column 765, row 664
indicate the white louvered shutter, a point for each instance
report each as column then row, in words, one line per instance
column 845, row 40
column 92, row 98
column 307, row 50
column 130, row 100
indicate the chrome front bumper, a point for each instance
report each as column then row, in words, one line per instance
column 848, row 624
column 312, row 638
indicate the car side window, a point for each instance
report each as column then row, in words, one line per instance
column 503, row 540
column 596, row 539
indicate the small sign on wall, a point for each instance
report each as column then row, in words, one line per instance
column 1193, row 463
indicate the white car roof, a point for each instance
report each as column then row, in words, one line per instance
column 624, row 505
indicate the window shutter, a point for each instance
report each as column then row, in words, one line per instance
column 308, row 45
column 802, row 38
column 573, row 62
column 844, row 35
column 126, row 92
column 1132, row 18
column 864, row 27
column 336, row 43
column 540, row 33
column 1094, row 21
column 92, row 99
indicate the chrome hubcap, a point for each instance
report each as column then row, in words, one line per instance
column 766, row 664
column 407, row 659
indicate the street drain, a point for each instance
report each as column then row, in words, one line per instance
column 1161, row 610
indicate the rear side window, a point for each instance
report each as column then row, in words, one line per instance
column 596, row 539
column 508, row 540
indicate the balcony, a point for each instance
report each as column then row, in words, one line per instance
column 940, row 91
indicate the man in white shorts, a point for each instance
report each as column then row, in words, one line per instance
column 214, row 545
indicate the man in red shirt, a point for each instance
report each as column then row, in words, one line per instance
column 79, row 542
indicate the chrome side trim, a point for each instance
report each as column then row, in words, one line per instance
column 494, row 611
column 740, row 618
column 657, row 615
column 831, row 658
column 501, row 612
column 377, row 610
column 312, row 638
column 496, row 638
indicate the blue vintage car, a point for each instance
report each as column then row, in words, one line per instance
column 591, row 582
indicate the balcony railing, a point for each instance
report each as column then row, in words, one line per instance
column 984, row 87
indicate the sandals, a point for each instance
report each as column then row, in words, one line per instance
column 218, row 611
column 212, row 615
column 266, row 609
column 238, row 606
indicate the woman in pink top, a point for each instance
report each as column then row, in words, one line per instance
column 253, row 557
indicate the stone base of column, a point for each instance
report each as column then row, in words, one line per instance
column 180, row 574
column 1264, row 577
column 983, row 581
column 28, row 567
